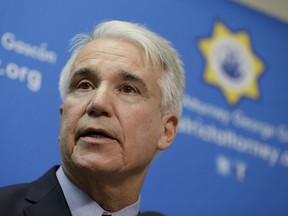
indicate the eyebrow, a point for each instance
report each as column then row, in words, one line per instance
column 128, row 76
column 82, row 73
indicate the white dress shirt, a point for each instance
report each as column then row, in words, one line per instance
column 81, row 204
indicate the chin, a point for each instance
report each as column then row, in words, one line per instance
column 93, row 165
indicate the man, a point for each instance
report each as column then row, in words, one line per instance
column 122, row 90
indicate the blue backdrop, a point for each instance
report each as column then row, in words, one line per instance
column 231, row 154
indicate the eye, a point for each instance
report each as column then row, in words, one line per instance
column 128, row 89
column 85, row 85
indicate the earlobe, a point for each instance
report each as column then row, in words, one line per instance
column 170, row 123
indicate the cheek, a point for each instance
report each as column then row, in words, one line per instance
column 143, row 131
column 138, row 121
column 68, row 122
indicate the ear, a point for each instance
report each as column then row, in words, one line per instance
column 61, row 109
column 170, row 123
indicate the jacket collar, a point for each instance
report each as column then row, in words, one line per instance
column 46, row 197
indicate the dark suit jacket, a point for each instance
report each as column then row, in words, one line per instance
column 43, row 197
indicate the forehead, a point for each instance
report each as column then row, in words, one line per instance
column 117, row 51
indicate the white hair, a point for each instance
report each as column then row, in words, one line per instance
column 157, row 49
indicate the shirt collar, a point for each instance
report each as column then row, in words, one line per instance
column 81, row 204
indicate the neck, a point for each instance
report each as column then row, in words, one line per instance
column 111, row 192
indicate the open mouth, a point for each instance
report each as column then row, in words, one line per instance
column 95, row 134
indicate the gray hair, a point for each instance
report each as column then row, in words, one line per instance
column 157, row 49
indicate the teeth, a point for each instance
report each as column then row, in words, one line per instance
column 98, row 135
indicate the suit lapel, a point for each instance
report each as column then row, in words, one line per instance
column 46, row 197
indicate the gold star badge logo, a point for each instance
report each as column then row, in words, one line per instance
column 231, row 64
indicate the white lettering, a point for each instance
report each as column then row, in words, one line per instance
column 240, row 120
column 9, row 42
column 284, row 158
column 12, row 71
column 33, row 77
column 22, row 73
column 282, row 133
column 200, row 107
column 34, row 80
column 228, row 139
column 236, row 118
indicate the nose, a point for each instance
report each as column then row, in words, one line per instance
column 100, row 103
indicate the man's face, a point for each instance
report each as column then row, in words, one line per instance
column 111, row 119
